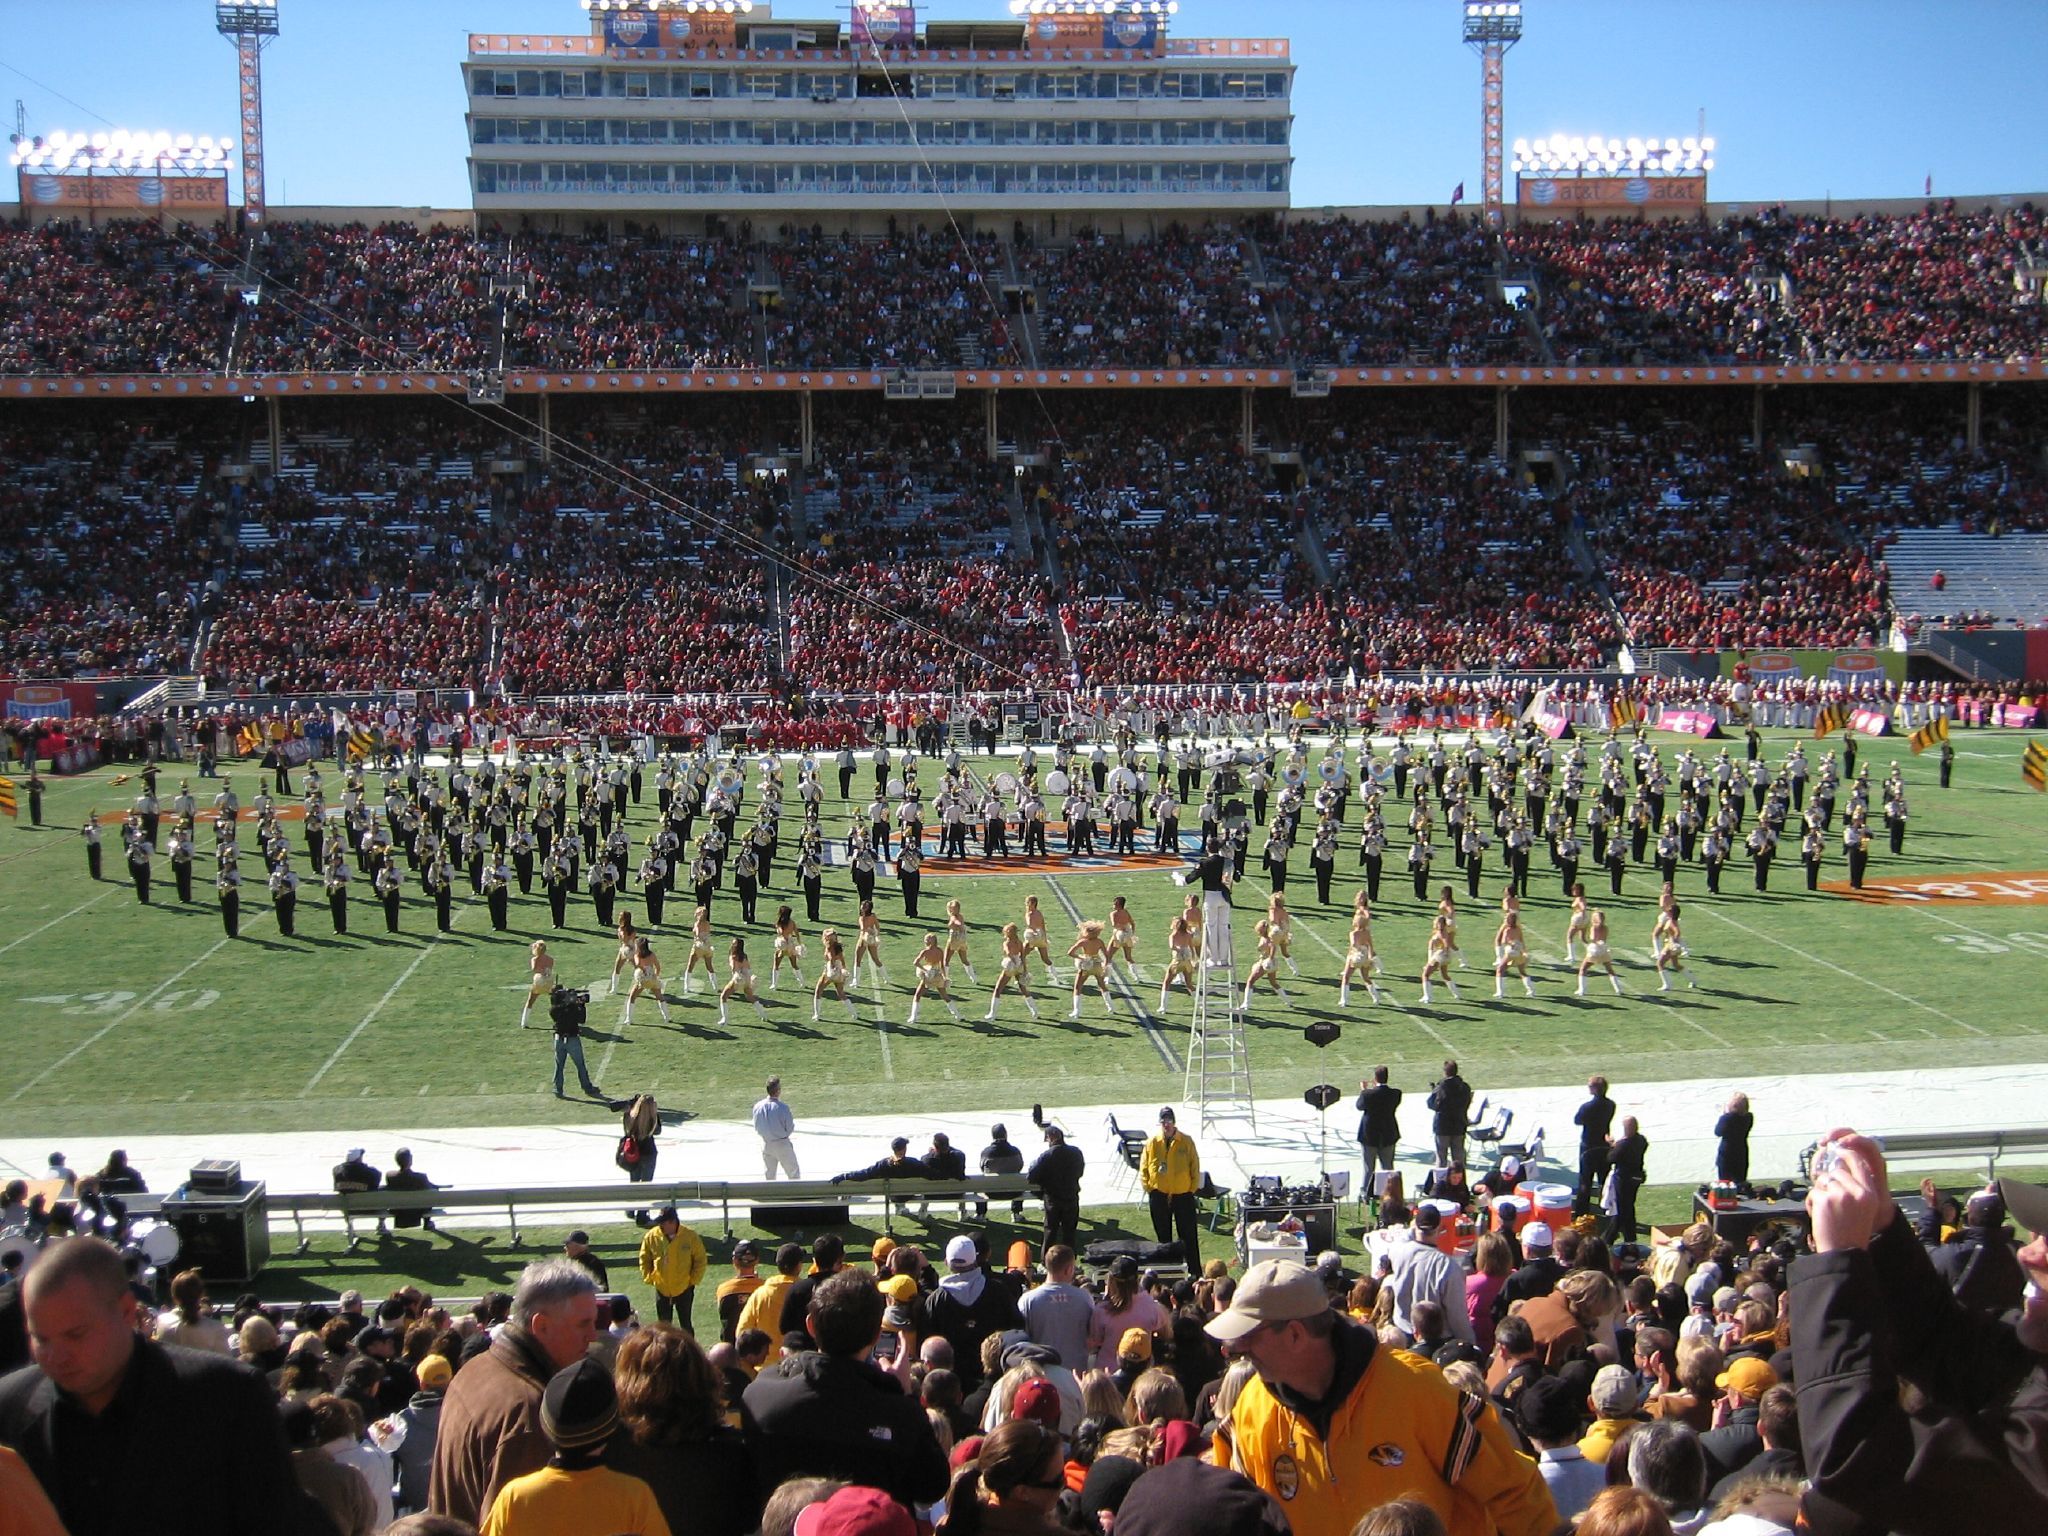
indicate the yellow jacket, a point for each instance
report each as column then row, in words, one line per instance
column 672, row 1265
column 1170, row 1170
column 1390, row 1439
column 764, row 1310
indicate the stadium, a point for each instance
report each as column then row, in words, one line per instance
column 889, row 554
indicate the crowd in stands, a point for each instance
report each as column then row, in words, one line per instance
column 1765, row 287
column 1776, row 287
column 651, row 551
column 909, row 301
column 1697, row 1386
column 1182, row 298
column 108, row 536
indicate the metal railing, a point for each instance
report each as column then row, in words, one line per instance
column 890, row 1194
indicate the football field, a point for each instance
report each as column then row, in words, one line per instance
column 136, row 1020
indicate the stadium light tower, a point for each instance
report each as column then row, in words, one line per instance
column 249, row 24
column 1492, row 27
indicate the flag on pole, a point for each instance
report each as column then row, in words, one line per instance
column 7, row 801
column 1832, row 718
column 1623, row 712
column 1458, row 194
column 2033, row 768
column 1933, row 732
column 1930, row 184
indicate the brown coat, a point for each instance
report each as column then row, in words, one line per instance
column 490, row 1427
column 1558, row 1335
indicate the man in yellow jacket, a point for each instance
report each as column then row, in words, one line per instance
column 672, row 1261
column 764, row 1308
column 1336, row 1423
column 1171, row 1172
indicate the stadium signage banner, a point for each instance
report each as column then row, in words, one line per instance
column 124, row 194
column 702, row 30
column 1552, row 722
column 1138, row 33
column 1835, row 666
column 1871, row 722
column 48, row 701
column 1664, row 192
column 1690, row 722
column 884, row 26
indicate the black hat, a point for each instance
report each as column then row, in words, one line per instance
column 1191, row 1497
column 1550, row 1408
column 1109, row 1479
column 578, row 1236
column 580, row 1408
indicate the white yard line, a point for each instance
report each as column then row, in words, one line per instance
column 1416, row 1019
column 53, row 922
column 1131, row 999
column 132, row 1009
column 378, row 1007
column 1830, row 965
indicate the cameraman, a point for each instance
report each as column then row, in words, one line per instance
column 1868, row 1309
column 568, row 1012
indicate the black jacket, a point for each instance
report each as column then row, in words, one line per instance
column 1862, row 1321
column 818, row 1415
column 1594, row 1118
column 1734, row 1445
column 1451, row 1098
column 1057, row 1172
column 1980, row 1267
column 1376, row 1107
column 964, row 1322
column 1001, row 1157
column 1538, row 1277
column 887, row 1168
column 949, row 1164
column 1731, row 1158
column 1782, row 1462
column 192, row 1445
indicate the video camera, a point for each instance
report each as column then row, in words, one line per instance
column 569, row 1005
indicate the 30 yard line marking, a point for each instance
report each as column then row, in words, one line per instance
column 1144, row 1015
column 378, row 1007
column 53, row 922
column 1915, row 1002
column 133, row 1008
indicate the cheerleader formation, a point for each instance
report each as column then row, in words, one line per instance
column 725, row 830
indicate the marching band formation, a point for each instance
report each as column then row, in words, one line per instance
column 556, row 826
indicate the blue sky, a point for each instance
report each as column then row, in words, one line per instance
column 1807, row 98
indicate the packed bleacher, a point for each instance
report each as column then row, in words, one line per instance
column 1767, row 287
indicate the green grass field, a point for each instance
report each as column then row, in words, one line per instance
column 147, row 1020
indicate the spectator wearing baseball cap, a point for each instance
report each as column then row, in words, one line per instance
column 576, row 1491
column 1539, row 1272
column 422, row 1420
column 733, row 1292
column 855, row 1512
column 576, row 1249
column 1332, row 1425
column 1133, row 1359
column 1615, row 1398
column 1868, row 1311
column 1734, row 1441
column 969, row 1306
column 1125, row 1305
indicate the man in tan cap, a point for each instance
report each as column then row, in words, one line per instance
column 1333, row 1425
column 1868, row 1311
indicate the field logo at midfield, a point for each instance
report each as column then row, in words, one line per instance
column 1995, row 888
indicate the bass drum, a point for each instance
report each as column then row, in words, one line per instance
column 895, row 788
column 1057, row 782
column 1123, row 779
column 1005, row 784
column 159, row 1244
